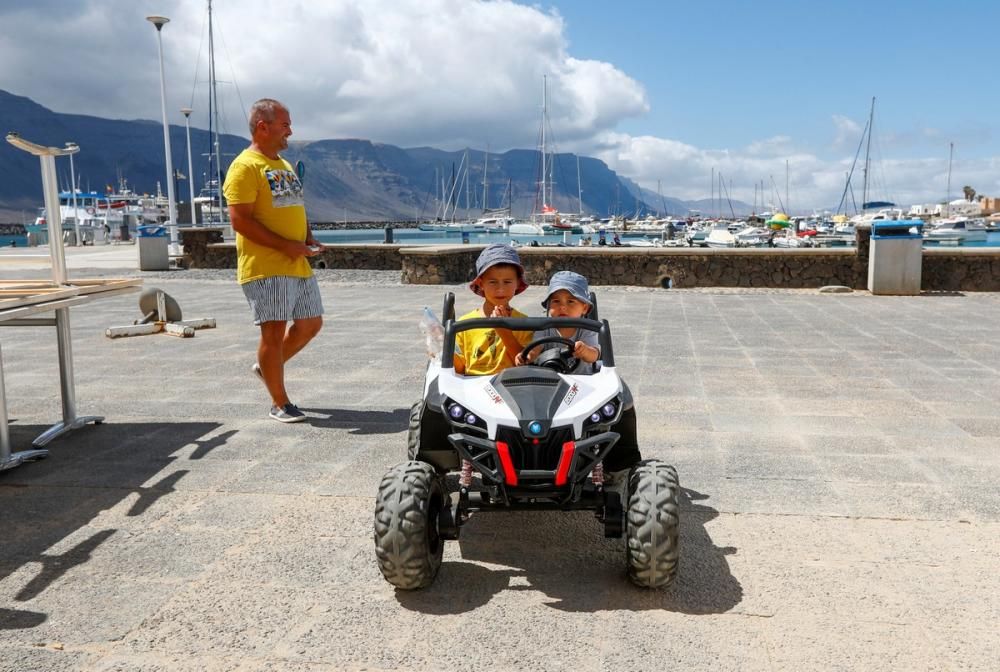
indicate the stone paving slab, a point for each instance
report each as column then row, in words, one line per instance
column 839, row 455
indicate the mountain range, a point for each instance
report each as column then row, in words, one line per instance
column 345, row 179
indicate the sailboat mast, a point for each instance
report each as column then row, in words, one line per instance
column 712, row 207
column 486, row 186
column 868, row 147
column 545, row 195
column 214, row 110
column 579, row 187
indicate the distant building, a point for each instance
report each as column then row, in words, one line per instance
column 926, row 210
column 990, row 205
column 957, row 208
column 961, row 208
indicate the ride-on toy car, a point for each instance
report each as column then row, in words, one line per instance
column 538, row 436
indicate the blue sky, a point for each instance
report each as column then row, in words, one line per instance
column 669, row 92
column 723, row 74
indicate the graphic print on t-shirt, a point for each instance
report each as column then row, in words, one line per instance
column 286, row 188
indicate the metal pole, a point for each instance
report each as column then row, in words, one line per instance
column 159, row 22
column 72, row 188
column 4, row 428
column 64, row 339
column 186, row 111
column 53, row 218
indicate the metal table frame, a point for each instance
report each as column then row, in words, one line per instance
column 70, row 421
column 21, row 316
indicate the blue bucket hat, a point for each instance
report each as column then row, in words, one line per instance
column 494, row 254
column 574, row 283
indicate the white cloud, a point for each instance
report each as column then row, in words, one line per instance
column 848, row 132
column 685, row 172
column 445, row 73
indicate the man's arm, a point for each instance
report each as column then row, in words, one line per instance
column 241, row 216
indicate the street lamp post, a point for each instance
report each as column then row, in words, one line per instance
column 186, row 111
column 159, row 22
column 72, row 147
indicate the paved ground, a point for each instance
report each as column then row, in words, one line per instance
column 840, row 455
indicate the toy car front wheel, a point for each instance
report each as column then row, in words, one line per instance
column 413, row 431
column 652, row 524
column 407, row 508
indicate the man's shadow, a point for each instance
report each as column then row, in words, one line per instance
column 359, row 422
column 565, row 556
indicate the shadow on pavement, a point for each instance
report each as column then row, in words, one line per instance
column 13, row 619
column 564, row 556
column 89, row 471
column 359, row 422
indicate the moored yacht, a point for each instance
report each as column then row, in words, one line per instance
column 958, row 229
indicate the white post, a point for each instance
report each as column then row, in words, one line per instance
column 159, row 22
column 72, row 178
column 186, row 111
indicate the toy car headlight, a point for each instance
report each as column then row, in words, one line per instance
column 461, row 416
column 606, row 414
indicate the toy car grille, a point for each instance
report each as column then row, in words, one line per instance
column 525, row 454
column 530, row 380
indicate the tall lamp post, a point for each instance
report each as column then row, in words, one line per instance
column 159, row 22
column 72, row 148
column 186, row 111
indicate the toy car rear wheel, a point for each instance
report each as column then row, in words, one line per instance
column 407, row 543
column 652, row 524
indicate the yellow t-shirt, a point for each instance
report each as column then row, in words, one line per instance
column 483, row 351
column 276, row 193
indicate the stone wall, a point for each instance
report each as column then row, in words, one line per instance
column 652, row 267
column 204, row 248
column 968, row 269
column 973, row 269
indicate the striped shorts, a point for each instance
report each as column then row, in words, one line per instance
column 283, row 298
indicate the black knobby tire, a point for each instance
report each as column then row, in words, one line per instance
column 407, row 544
column 652, row 524
column 413, row 431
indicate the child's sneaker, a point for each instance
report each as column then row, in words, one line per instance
column 287, row 413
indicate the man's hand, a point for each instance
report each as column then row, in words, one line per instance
column 294, row 249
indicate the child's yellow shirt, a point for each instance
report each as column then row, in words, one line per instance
column 483, row 351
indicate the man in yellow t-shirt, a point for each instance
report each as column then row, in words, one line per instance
column 273, row 242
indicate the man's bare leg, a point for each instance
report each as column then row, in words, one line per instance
column 299, row 333
column 271, row 359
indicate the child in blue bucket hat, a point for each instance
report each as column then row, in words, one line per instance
column 499, row 278
column 568, row 296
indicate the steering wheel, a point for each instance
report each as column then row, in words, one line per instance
column 560, row 360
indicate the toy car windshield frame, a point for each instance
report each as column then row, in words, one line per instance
column 533, row 324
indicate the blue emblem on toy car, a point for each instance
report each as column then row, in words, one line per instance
column 535, row 428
